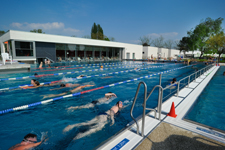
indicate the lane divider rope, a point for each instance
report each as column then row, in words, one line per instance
column 87, row 65
column 104, row 74
column 79, row 67
column 63, row 73
column 79, row 93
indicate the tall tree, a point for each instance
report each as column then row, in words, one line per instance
column 216, row 44
column 94, row 31
column 37, row 31
column 159, row 42
column 169, row 44
column 146, row 40
column 97, row 32
column 203, row 31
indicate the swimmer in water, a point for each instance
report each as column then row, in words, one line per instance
column 93, row 103
column 29, row 142
column 34, row 84
column 69, row 92
column 173, row 81
column 81, row 76
column 62, row 85
column 98, row 122
column 40, row 66
column 101, row 67
column 224, row 73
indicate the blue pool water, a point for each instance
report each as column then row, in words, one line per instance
column 53, row 117
column 209, row 107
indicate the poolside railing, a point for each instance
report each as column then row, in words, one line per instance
column 160, row 95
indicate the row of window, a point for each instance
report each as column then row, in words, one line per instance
column 71, row 51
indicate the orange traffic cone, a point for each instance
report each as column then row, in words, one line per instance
column 172, row 111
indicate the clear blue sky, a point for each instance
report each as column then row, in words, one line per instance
column 125, row 20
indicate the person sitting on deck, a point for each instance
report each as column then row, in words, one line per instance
column 69, row 92
column 98, row 122
column 29, row 141
column 93, row 103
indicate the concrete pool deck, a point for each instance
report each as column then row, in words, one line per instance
column 14, row 68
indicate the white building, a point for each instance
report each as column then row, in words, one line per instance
column 29, row 46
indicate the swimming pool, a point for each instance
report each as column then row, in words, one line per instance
column 53, row 117
column 209, row 107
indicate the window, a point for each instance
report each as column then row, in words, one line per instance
column 24, row 48
column 60, row 51
column 128, row 55
column 133, row 55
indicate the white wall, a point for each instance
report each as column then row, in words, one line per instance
column 153, row 51
column 145, row 52
column 175, row 52
column 132, row 48
column 164, row 53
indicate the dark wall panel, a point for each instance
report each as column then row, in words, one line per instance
column 45, row 50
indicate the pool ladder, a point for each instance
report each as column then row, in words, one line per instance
column 144, row 105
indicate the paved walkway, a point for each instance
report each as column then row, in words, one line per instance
column 170, row 137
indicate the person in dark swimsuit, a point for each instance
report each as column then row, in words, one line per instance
column 98, row 122
column 93, row 103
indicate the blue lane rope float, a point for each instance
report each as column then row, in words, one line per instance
column 82, row 65
column 104, row 74
column 63, row 73
column 79, row 93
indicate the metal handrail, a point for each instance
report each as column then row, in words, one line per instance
column 131, row 111
column 161, row 89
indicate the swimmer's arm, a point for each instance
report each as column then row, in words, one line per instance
column 54, row 95
column 110, row 94
column 56, row 89
column 80, row 87
column 112, row 118
column 83, row 106
column 75, row 85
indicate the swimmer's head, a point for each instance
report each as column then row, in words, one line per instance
column 62, row 85
column 119, row 104
column 35, row 74
column 224, row 73
column 30, row 138
column 174, row 80
column 101, row 66
column 81, row 75
column 37, row 83
column 32, row 81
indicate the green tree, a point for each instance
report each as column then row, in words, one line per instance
column 97, row 32
column 37, row 31
column 2, row 32
column 202, row 32
column 216, row 44
column 94, row 31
